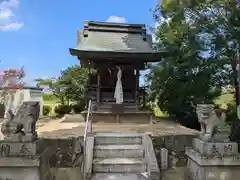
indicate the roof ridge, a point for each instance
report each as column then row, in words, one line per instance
column 115, row 27
column 114, row 24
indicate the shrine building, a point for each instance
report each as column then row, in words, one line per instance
column 108, row 47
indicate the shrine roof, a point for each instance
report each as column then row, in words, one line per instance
column 113, row 37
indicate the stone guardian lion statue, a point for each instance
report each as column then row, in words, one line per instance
column 22, row 126
column 212, row 122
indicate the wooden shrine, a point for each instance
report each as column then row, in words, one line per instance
column 103, row 46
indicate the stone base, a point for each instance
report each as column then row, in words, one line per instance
column 200, row 167
column 196, row 172
column 25, row 168
column 215, row 149
column 14, row 137
column 9, row 148
column 19, row 137
column 19, row 173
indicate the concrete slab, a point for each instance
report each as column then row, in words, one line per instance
column 117, row 161
column 119, row 151
column 118, row 147
column 118, row 165
column 117, row 140
column 118, row 134
column 116, row 176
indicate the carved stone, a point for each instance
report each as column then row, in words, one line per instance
column 22, row 126
column 8, row 149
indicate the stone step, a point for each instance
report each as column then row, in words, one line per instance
column 118, row 176
column 126, row 106
column 117, row 151
column 119, row 165
column 117, row 139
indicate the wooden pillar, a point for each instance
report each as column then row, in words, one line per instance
column 137, row 87
column 98, row 87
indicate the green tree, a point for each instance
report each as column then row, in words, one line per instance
column 74, row 80
column 192, row 72
column 69, row 86
column 53, row 85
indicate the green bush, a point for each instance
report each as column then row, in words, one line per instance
column 77, row 108
column 61, row 110
column 46, row 110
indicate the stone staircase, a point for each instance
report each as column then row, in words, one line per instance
column 120, row 156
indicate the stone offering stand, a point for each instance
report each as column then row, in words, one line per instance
column 213, row 156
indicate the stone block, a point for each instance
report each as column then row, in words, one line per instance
column 219, row 167
column 150, row 157
column 164, row 159
column 19, row 173
column 25, row 168
column 9, row 148
column 233, row 160
column 89, row 156
column 215, row 149
column 196, row 172
column 72, row 173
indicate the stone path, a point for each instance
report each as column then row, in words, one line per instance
column 73, row 174
column 174, row 174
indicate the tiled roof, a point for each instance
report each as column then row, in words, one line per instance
column 114, row 37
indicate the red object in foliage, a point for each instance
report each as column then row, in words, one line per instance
column 11, row 78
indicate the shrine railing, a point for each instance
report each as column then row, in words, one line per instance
column 87, row 129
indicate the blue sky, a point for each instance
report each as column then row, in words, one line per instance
column 37, row 34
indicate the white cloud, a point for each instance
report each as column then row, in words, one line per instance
column 5, row 15
column 14, row 26
column 116, row 19
column 8, row 20
column 5, row 4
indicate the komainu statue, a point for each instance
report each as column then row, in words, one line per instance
column 22, row 126
column 213, row 125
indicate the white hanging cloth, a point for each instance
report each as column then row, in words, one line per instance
column 118, row 94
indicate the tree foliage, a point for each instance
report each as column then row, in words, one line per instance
column 69, row 86
column 201, row 38
column 74, row 80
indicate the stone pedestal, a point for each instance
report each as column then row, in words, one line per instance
column 213, row 161
column 24, row 161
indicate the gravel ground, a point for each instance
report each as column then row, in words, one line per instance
column 60, row 128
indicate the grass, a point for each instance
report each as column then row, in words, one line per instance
column 157, row 112
column 52, row 104
column 225, row 99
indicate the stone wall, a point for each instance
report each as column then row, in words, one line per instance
column 63, row 149
column 175, row 144
column 65, row 161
